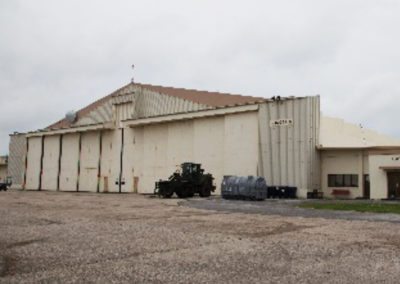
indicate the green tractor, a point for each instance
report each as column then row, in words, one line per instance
column 190, row 181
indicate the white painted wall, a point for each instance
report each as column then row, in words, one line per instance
column 33, row 168
column 342, row 162
column 50, row 162
column 155, row 157
column 378, row 176
column 241, row 144
column 69, row 162
column 208, row 145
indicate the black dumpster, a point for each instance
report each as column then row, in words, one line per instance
column 287, row 192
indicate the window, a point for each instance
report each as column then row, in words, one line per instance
column 342, row 180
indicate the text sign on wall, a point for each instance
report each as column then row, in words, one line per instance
column 281, row 122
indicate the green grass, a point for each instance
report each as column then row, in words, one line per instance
column 360, row 207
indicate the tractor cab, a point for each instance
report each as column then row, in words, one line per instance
column 191, row 170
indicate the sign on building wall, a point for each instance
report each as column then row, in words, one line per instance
column 281, row 122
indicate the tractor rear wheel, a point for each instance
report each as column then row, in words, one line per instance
column 205, row 192
column 181, row 194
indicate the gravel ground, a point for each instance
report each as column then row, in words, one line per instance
column 110, row 238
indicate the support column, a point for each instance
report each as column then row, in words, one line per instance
column 121, row 161
column 79, row 161
column 59, row 162
column 99, row 163
column 41, row 164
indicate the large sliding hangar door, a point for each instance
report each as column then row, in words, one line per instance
column 51, row 159
column 33, row 163
column 89, row 161
column 69, row 167
column 86, row 161
column 110, row 162
column 65, row 162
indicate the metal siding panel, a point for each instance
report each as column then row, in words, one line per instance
column 33, row 166
column 50, row 162
column 155, row 156
column 283, row 145
column 180, row 143
column 275, row 162
column 241, row 144
column 110, row 160
column 69, row 162
column 136, row 157
column 290, row 146
column 303, row 145
column 89, row 161
column 16, row 159
column 129, row 160
column 208, row 146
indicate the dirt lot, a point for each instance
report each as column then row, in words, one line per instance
column 102, row 238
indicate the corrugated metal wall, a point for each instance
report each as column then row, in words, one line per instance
column 148, row 103
column 16, row 159
column 288, row 138
column 101, row 114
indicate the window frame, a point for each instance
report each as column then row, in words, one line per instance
column 343, row 180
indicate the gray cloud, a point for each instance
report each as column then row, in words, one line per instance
column 61, row 55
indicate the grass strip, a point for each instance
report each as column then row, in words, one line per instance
column 359, row 207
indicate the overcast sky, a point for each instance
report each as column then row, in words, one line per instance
column 57, row 56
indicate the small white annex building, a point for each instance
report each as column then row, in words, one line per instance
column 140, row 133
column 357, row 162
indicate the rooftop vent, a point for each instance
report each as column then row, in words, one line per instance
column 71, row 116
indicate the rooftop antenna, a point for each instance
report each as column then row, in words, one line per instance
column 133, row 80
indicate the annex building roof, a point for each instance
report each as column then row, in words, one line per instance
column 335, row 133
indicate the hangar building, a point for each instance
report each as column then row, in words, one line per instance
column 139, row 134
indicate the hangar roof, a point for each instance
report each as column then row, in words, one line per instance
column 213, row 99
column 209, row 99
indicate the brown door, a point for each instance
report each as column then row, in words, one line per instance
column 366, row 187
column 393, row 185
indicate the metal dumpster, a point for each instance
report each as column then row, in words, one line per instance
column 245, row 188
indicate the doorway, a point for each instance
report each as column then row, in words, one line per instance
column 393, row 185
column 366, row 187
